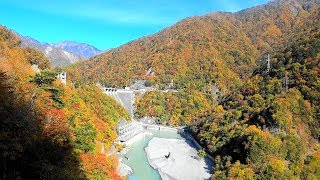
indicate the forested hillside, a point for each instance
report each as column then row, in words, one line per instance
column 217, row 48
column 261, row 125
column 180, row 108
column 49, row 130
column 270, row 127
column 207, row 57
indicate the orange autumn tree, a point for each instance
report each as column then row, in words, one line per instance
column 100, row 166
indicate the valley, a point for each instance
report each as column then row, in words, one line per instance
column 224, row 95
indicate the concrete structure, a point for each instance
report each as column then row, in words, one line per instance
column 160, row 128
column 63, row 77
column 129, row 132
column 140, row 85
column 124, row 170
column 125, row 97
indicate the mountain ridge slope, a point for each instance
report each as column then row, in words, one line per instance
column 220, row 48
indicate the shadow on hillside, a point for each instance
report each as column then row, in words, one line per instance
column 24, row 152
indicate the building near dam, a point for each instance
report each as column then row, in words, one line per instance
column 63, row 77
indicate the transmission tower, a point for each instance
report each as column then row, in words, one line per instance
column 285, row 82
column 286, row 78
column 268, row 64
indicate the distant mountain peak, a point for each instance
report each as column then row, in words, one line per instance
column 63, row 53
column 82, row 49
column 58, row 57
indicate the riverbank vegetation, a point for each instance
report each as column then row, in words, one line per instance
column 172, row 108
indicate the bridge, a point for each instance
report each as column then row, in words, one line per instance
column 125, row 97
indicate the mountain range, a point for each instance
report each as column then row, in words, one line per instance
column 82, row 49
column 63, row 53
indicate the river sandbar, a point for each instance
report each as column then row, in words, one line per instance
column 182, row 163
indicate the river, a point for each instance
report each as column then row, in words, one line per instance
column 138, row 158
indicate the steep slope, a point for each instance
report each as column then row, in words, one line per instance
column 49, row 130
column 61, row 58
column 58, row 57
column 269, row 128
column 81, row 49
column 179, row 108
column 220, row 48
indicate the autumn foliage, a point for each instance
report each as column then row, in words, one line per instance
column 100, row 166
column 269, row 128
column 49, row 130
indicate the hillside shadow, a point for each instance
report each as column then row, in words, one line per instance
column 24, row 151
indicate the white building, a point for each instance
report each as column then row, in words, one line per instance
column 63, row 77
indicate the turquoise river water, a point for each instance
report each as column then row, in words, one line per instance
column 138, row 158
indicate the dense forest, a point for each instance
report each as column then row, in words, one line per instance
column 49, row 130
column 218, row 48
column 203, row 92
column 268, row 127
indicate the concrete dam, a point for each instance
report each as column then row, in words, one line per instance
column 125, row 97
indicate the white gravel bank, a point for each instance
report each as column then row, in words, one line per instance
column 182, row 162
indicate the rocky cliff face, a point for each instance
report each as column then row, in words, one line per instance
column 58, row 57
column 82, row 49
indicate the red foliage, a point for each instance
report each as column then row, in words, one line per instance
column 84, row 120
column 100, row 126
column 170, row 105
column 55, row 125
column 76, row 106
column 102, row 165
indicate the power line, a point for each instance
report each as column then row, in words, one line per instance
column 257, row 71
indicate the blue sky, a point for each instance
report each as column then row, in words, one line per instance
column 105, row 23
